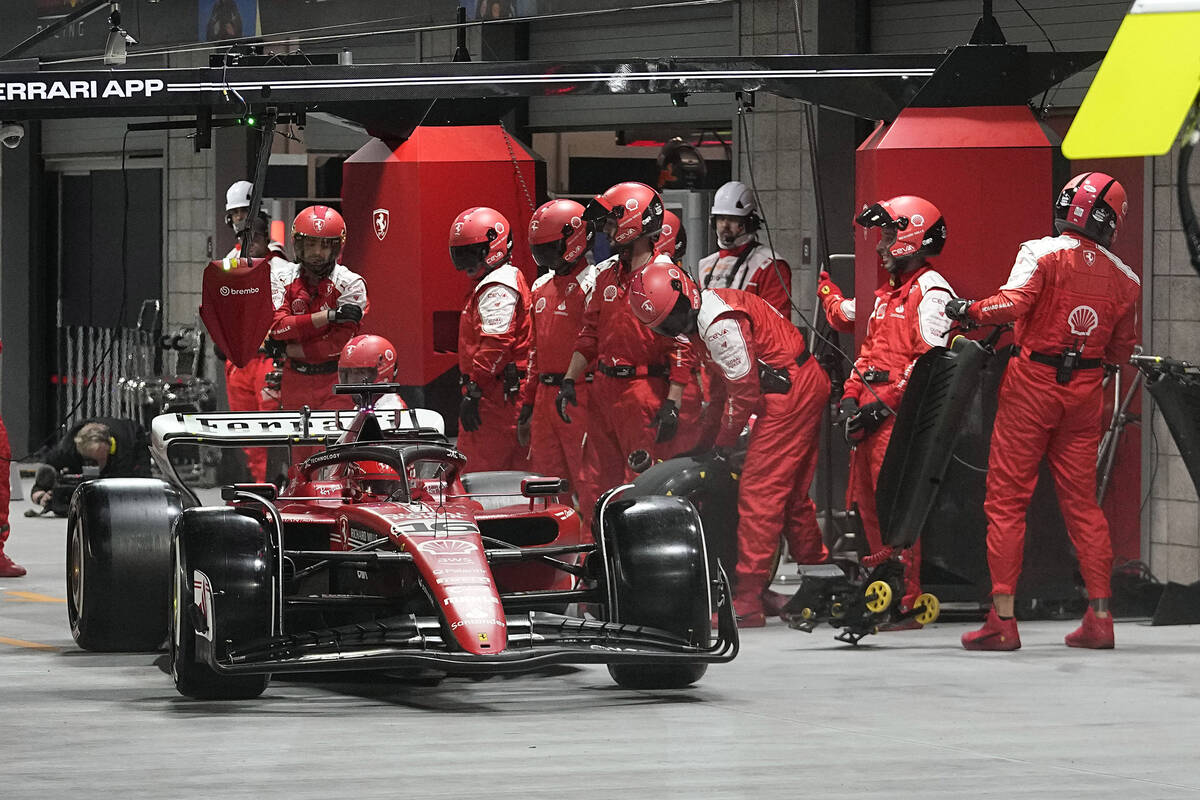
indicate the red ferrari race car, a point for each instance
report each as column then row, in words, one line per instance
column 382, row 553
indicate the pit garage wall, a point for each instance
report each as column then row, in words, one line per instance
column 1171, row 290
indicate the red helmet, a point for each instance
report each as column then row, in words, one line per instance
column 558, row 236
column 480, row 241
column 626, row 212
column 318, row 223
column 672, row 242
column 1093, row 204
column 920, row 229
column 372, row 480
column 664, row 297
column 367, row 359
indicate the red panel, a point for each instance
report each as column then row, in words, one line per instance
column 423, row 184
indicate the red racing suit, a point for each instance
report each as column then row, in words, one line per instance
column 493, row 332
column 298, row 302
column 1064, row 293
column 738, row 330
column 633, row 369
column 752, row 267
column 558, row 302
column 908, row 319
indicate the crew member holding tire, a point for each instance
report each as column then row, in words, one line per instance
column 672, row 243
column 560, row 241
column 908, row 319
column 1075, row 307
column 319, row 304
column 765, row 368
column 633, row 403
column 493, row 339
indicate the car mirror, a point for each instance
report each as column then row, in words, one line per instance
column 544, row 487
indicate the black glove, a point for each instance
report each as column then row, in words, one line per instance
column 276, row 349
column 566, row 394
column 348, row 312
column 666, row 420
column 468, row 410
column 847, row 409
column 512, row 382
column 956, row 309
column 273, row 379
column 718, row 453
column 525, row 415
column 868, row 418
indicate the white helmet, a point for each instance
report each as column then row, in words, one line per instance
column 238, row 195
column 734, row 199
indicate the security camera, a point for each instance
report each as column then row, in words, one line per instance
column 11, row 134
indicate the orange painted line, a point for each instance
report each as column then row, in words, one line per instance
column 33, row 597
column 30, row 645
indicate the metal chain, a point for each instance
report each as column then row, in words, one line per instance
column 517, row 169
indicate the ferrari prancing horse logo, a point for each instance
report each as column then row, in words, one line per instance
column 380, row 217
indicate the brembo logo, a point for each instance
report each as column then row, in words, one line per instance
column 79, row 90
column 226, row 291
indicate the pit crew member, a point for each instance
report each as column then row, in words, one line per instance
column 1075, row 308
column 8, row 567
column 908, row 319
column 493, row 339
column 318, row 306
column 760, row 364
column 560, row 241
column 633, row 403
column 742, row 262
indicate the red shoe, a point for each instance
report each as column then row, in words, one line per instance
column 9, row 568
column 996, row 634
column 773, row 603
column 1095, row 633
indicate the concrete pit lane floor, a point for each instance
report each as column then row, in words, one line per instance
column 905, row 715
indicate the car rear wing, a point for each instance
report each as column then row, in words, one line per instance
column 271, row 428
column 277, row 428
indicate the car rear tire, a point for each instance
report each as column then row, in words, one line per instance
column 119, row 563
column 235, row 552
column 659, row 579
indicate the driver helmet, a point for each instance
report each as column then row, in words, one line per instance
column 372, row 480
column 367, row 359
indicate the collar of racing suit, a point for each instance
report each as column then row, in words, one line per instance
column 737, row 250
column 899, row 284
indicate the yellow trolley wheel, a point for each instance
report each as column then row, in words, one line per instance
column 879, row 596
column 928, row 608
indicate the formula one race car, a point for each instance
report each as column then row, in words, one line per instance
column 380, row 553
